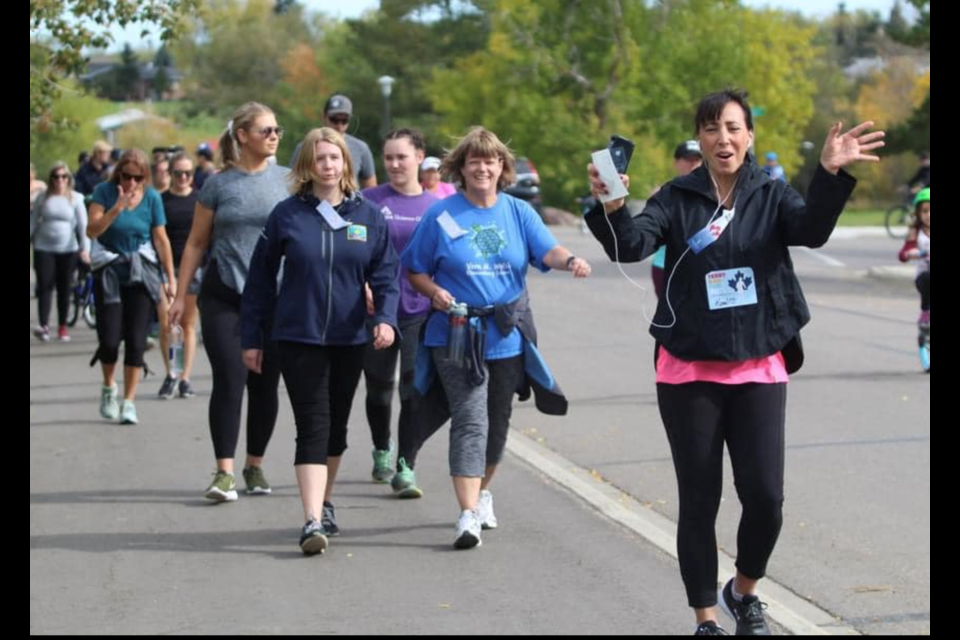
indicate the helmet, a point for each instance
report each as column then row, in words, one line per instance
column 772, row 155
column 922, row 196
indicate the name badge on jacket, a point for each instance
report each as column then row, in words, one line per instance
column 357, row 233
column 731, row 288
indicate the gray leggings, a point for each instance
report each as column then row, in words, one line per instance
column 480, row 415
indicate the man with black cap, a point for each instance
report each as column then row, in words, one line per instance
column 337, row 113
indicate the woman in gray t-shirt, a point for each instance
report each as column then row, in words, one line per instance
column 232, row 209
column 58, row 230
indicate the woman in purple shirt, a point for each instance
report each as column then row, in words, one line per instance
column 402, row 201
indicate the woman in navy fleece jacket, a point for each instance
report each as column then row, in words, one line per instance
column 331, row 241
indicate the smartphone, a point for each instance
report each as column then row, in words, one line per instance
column 622, row 150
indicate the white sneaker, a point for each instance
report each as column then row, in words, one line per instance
column 128, row 412
column 468, row 531
column 485, row 511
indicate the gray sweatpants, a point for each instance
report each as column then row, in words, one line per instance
column 480, row 416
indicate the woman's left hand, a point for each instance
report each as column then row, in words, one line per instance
column 170, row 288
column 383, row 336
column 841, row 149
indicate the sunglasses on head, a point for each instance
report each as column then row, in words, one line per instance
column 129, row 176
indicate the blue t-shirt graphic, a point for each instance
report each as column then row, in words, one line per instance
column 485, row 266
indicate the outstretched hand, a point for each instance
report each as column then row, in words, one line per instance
column 841, row 149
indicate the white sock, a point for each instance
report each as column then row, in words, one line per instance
column 733, row 589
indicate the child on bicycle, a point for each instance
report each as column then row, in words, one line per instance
column 917, row 247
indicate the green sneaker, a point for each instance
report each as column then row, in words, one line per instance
column 223, row 488
column 256, row 482
column 404, row 483
column 128, row 412
column 109, row 407
column 382, row 464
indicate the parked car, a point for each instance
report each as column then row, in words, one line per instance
column 527, row 186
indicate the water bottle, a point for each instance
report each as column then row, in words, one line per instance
column 457, row 333
column 175, row 350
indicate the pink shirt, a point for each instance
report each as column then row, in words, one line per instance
column 769, row 370
column 443, row 190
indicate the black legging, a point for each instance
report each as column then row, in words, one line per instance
column 129, row 320
column 54, row 270
column 923, row 286
column 220, row 322
column 321, row 383
column 699, row 417
column 380, row 373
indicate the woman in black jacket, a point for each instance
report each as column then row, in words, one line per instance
column 728, row 332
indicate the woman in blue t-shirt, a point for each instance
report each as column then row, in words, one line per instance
column 129, row 229
column 473, row 248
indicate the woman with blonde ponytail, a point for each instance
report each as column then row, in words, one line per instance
column 232, row 209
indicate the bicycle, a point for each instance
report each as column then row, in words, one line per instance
column 82, row 302
column 899, row 219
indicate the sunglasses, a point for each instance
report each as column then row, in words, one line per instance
column 182, row 173
column 341, row 120
column 61, row 176
column 126, row 177
column 266, row 132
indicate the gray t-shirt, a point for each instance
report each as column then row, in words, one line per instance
column 58, row 224
column 360, row 154
column 241, row 203
column 363, row 166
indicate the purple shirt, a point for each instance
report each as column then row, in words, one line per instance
column 403, row 213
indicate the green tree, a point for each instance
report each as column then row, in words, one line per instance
column 69, row 26
column 67, row 128
column 163, row 58
column 919, row 34
column 405, row 39
column 557, row 89
column 235, row 52
column 127, row 75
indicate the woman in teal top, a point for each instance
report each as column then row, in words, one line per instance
column 130, row 245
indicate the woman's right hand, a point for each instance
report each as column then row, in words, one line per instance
column 441, row 300
column 125, row 200
column 253, row 359
column 175, row 312
column 598, row 189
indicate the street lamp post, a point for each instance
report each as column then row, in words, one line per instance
column 386, row 88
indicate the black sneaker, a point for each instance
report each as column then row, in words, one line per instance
column 329, row 520
column 186, row 391
column 313, row 539
column 748, row 613
column 710, row 628
column 168, row 388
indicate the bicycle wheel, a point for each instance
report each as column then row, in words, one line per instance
column 90, row 314
column 898, row 221
column 74, row 313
